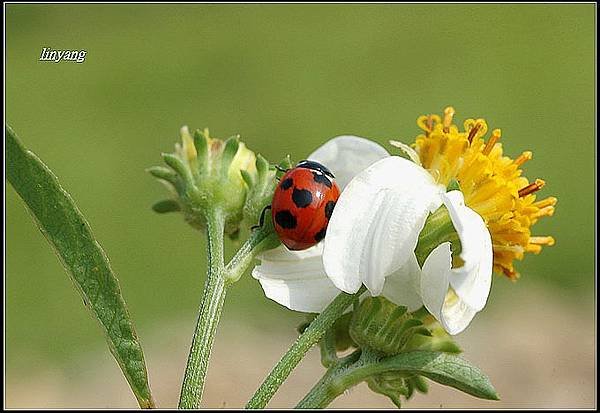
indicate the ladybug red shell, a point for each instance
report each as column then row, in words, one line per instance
column 303, row 203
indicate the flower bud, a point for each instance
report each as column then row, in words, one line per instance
column 391, row 385
column 394, row 384
column 382, row 326
column 207, row 174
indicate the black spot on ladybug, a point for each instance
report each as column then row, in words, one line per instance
column 285, row 219
column 329, row 209
column 321, row 179
column 287, row 183
column 320, row 235
column 302, row 197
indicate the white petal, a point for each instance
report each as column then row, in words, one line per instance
column 472, row 281
column 376, row 222
column 435, row 280
column 402, row 286
column 296, row 279
column 348, row 155
column 439, row 298
column 456, row 314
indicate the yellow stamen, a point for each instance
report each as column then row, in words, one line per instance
column 531, row 188
column 542, row 240
column 550, row 201
column 524, row 157
column 496, row 134
column 448, row 115
column 534, row 248
column 544, row 212
column 426, row 122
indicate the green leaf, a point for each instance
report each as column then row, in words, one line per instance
column 70, row 235
column 446, row 369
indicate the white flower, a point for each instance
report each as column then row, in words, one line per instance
column 371, row 239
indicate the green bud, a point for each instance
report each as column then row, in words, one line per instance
column 382, row 326
column 394, row 384
column 207, row 174
column 391, row 385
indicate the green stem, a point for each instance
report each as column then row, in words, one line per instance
column 261, row 239
column 213, row 298
column 348, row 373
column 310, row 337
column 218, row 279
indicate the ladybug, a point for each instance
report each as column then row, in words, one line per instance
column 303, row 203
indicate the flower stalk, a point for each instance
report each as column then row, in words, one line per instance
column 219, row 278
column 347, row 373
column 211, row 307
column 311, row 336
column 218, row 186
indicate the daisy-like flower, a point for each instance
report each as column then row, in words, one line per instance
column 375, row 226
column 492, row 184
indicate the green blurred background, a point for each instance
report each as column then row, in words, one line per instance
column 287, row 78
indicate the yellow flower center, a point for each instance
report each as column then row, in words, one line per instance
column 491, row 183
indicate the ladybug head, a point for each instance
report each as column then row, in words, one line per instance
column 315, row 166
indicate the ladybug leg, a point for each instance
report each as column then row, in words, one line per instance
column 261, row 220
column 280, row 169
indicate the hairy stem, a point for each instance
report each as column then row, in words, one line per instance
column 219, row 277
column 294, row 355
column 339, row 378
column 211, row 306
column 260, row 240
